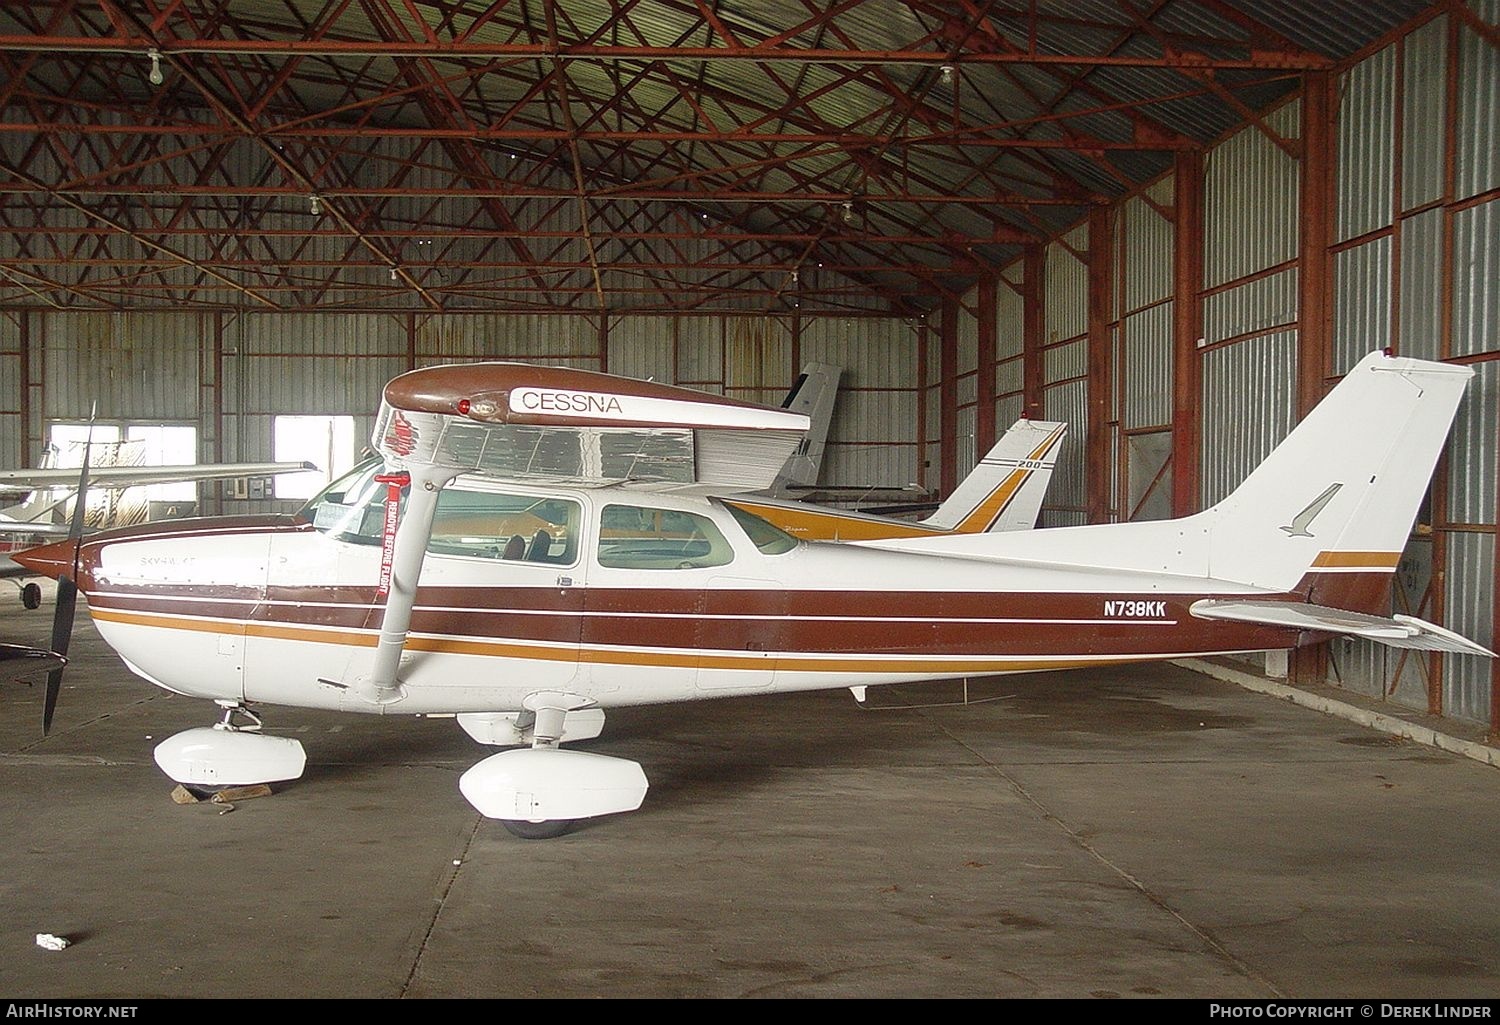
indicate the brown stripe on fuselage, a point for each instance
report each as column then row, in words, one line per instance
column 894, row 623
column 713, row 660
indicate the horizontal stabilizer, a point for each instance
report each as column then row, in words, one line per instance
column 1399, row 631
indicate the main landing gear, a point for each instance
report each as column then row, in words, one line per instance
column 229, row 754
column 31, row 594
column 540, row 792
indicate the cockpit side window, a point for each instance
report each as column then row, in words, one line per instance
column 495, row 525
column 477, row 524
column 636, row 537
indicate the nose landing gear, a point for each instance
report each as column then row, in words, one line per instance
column 229, row 754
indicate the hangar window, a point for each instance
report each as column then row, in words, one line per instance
column 634, row 537
column 129, row 444
column 325, row 441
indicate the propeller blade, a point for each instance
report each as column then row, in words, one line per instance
column 15, row 651
column 62, row 633
column 67, row 590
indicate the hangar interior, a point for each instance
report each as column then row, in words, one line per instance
column 1173, row 224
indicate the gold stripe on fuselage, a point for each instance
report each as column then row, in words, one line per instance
column 659, row 658
column 1357, row 560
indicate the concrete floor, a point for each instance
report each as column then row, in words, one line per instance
column 1145, row 831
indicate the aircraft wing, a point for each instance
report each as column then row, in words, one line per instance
column 133, row 476
column 510, row 421
column 11, row 568
column 1399, row 631
column 20, row 527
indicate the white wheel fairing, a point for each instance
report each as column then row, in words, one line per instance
column 538, row 785
column 208, row 756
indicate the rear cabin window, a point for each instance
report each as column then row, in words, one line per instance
column 766, row 536
column 634, row 537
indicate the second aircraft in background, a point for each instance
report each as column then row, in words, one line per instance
column 1004, row 492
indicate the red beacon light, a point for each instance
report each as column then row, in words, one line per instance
column 463, row 407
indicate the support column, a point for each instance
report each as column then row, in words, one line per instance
column 924, row 477
column 1314, row 288
column 1100, row 364
column 1187, row 328
column 984, row 420
column 1033, row 323
column 1315, row 280
column 29, row 450
column 215, row 505
column 948, row 395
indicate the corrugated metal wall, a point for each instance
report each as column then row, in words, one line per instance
column 873, row 439
column 1249, row 405
column 968, row 383
column 1250, row 201
column 1477, row 132
column 1065, row 317
column 141, row 366
column 154, row 366
column 12, row 430
column 1365, row 159
column 1412, row 254
column 1010, row 331
column 1420, row 249
column 1361, row 302
column 1424, row 104
column 1145, row 241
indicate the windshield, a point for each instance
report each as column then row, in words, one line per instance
column 352, row 507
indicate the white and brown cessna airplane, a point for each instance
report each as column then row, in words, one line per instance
column 543, row 544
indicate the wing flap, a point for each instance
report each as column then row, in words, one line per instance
column 1398, row 631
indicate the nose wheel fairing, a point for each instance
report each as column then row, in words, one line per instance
column 230, row 755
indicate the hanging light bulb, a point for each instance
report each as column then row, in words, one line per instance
column 848, row 211
column 314, row 204
column 155, row 77
column 947, row 72
column 393, row 273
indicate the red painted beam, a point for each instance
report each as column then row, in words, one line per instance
column 948, row 394
column 984, row 421
column 1187, row 328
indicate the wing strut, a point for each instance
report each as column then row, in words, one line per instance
column 401, row 568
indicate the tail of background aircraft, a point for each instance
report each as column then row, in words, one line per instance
column 1005, row 491
column 814, row 393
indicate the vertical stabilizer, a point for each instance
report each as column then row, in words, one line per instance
column 813, row 393
column 1005, row 491
column 1336, row 500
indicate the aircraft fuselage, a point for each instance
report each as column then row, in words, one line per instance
column 621, row 607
